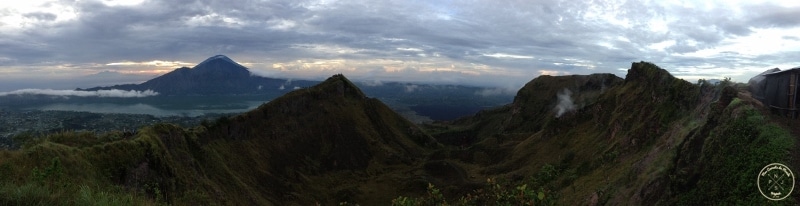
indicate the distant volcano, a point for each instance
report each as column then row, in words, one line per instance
column 217, row 75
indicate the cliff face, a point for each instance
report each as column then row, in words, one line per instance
column 548, row 97
column 649, row 139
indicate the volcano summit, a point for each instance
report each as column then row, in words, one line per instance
column 217, row 75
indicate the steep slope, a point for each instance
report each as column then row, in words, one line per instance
column 327, row 144
column 535, row 105
column 329, row 128
column 554, row 96
column 650, row 139
column 217, row 75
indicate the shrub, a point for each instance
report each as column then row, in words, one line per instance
column 532, row 192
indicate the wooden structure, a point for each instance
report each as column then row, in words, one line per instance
column 757, row 84
column 780, row 90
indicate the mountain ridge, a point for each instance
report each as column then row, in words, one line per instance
column 648, row 139
column 635, row 142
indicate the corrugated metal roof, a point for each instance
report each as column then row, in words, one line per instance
column 796, row 69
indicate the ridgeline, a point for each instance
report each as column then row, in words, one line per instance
column 571, row 140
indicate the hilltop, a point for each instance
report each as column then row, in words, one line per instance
column 647, row 139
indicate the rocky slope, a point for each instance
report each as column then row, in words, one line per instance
column 650, row 139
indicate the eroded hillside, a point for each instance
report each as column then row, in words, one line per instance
column 650, row 139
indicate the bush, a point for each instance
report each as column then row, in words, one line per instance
column 532, row 192
column 50, row 174
column 732, row 154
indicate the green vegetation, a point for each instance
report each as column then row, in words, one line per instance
column 630, row 143
column 650, row 139
column 534, row 191
column 733, row 154
column 57, row 182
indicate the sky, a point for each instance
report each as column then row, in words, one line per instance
column 64, row 44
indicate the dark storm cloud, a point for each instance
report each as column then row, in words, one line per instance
column 770, row 15
column 520, row 38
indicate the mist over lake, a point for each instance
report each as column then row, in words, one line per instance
column 160, row 106
column 139, row 108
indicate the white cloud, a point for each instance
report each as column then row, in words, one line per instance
column 508, row 56
column 157, row 63
column 281, row 24
column 494, row 92
column 99, row 93
column 411, row 49
column 417, row 41
column 122, row 2
column 215, row 19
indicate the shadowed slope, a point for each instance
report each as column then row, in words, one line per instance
column 320, row 144
column 651, row 140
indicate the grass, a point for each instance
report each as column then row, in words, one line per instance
column 733, row 154
column 53, row 190
column 534, row 191
column 331, row 144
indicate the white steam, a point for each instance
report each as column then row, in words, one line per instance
column 98, row 93
column 565, row 103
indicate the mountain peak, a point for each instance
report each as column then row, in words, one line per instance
column 218, row 57
column 648, row 74
column 219, row 61
column 339, row 84
column 221, row 67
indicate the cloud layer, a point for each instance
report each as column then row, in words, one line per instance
column 99, row 93
column 498, row 43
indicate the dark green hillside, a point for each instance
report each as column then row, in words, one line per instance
column 536, row 102
column 638, row 141
column 534, row 106
column 570, row 140
column 307, row 134
column 327, row 143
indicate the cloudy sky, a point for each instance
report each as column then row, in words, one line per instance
column 81, row 43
